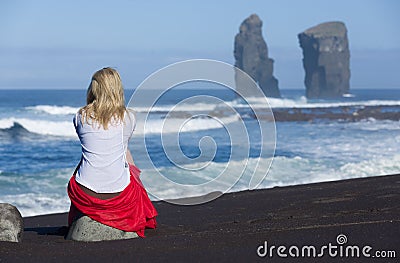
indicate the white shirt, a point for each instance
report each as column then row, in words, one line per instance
column 103, row 168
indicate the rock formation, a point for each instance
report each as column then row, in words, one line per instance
column 326, row 60
column 251, row 56
column 86, row 229
column 11, row 223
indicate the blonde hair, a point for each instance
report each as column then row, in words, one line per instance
column 105, row 102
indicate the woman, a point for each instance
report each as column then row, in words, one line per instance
column 106, row 185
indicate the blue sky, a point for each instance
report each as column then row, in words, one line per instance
column 59, row 44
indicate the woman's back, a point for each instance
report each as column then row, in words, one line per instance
column 103, row 168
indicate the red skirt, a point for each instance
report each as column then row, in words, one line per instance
column 130, row 211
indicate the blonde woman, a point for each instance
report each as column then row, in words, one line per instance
column 106, row 185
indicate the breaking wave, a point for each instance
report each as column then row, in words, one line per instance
column 155, row 126
column 53, row 110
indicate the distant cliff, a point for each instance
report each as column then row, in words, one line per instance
column 251, row 56
column 326, row 60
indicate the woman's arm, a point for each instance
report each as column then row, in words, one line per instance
column 77, row 167
column 129, row 158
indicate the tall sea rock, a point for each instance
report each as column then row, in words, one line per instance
column 326, row 60
column 251, row 56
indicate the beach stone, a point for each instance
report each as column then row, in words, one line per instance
column 326, row 60
column 251, row 56
column 86, row 229
column 11, row 223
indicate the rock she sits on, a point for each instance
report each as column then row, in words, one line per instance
column 88, row 230
column 11, row 223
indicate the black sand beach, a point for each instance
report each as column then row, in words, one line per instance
column 232, row 227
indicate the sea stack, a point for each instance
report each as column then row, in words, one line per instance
column 251, row 56
column 326, row 60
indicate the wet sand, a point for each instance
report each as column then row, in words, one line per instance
column 232, row 227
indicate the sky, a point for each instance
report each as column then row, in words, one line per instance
column 60, row 44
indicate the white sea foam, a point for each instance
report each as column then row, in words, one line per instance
column 277, row 104
column 35, row 194
column 299, row 170
column 284, row 171
column 371, row 124
column 54, row 110
column 172, row 125
column 303, row 102
column 44, row 127
column 6, row 123
column 31, row 204
column 185, row 107
column 376, row 166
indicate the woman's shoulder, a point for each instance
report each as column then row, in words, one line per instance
column 77, row 117
column 80, row 112
column 80, row 118
column 130, row 120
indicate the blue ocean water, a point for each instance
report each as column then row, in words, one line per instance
column 39, row 149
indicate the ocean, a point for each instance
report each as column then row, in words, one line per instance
column 39, row 148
